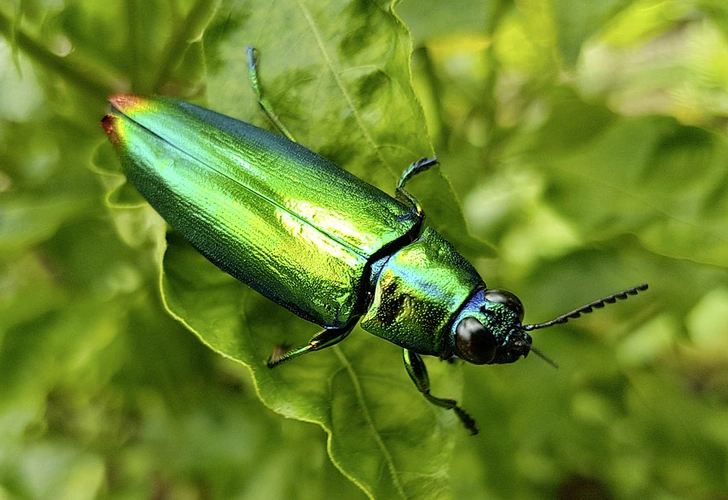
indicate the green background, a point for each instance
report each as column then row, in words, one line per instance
column 583, row 150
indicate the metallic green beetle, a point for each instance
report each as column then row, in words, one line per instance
column 317, row 240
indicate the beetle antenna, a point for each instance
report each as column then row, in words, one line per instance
column 544, row 357
column 597, row 304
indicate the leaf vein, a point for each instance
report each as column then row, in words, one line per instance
column 367, row 416
column 337, row 78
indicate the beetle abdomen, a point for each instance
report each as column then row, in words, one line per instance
column 275, row 215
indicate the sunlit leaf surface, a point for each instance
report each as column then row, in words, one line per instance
column 582, row 143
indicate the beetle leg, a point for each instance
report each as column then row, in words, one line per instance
column 418, row 373
column 324, row 339
column 402, row 194
column 264, row 103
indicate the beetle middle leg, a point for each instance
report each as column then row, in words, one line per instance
column 402, row 194
column 418, row 373
column 264, row 103
column 322, row 340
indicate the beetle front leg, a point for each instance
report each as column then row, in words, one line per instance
column 264, row 103
column 402, row 194
column 326, row 338
column 418, row 373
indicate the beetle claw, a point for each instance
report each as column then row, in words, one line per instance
column 278, row 355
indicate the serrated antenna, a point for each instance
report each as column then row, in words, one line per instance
column 597, row 304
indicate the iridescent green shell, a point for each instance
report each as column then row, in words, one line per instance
column 289, row 223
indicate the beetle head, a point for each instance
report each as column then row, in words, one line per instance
column 489, row 329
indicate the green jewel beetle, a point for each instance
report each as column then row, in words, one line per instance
column 322, row 243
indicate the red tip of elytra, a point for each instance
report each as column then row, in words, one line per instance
column 107, row 123
column 126, row 101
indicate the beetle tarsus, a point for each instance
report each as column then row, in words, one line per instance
column 324, row 339
column 277, row 355
column 264, row 103
column 468, row 421
column 450, row 404
column 402, row 194
column 417, row 371
column 417, row 167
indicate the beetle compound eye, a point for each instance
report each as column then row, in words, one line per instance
column 474, row 343
column 507, row 299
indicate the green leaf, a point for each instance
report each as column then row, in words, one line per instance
column 26, row 222
column 587, row 143
column 339, row 79
column 357, row 391
column 649, row 176
column 577, row 21
column 346, row 94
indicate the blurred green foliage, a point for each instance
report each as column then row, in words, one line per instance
column 586, row 142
